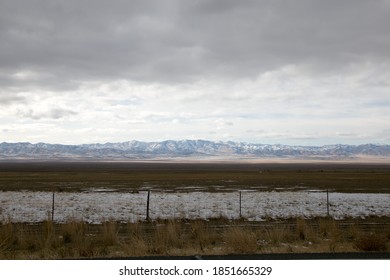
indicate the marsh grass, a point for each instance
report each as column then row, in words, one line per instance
column 78, row 239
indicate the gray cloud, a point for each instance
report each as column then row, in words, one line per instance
column 8, row 99
column 54, row 113
column 174, row 41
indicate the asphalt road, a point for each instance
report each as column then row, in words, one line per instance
column 287, row 256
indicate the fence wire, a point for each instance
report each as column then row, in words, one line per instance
column 97, row 207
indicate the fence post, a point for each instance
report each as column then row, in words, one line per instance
column 240, row 203
column 52, row 207
column 147, row 206
column 327, row 202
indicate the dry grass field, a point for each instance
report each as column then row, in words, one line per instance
column 77, row 239
column 75, row 176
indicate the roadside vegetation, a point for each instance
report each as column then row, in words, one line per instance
column 77, row 239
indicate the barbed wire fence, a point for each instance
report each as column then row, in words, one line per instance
column 97, row 207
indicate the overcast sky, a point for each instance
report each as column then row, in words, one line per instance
column 307, row 72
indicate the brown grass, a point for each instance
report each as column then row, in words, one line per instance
column 371, row 242
column 203, row 237
column 278, row 234
column 304, row 231
column 75, row 177
column 109, row 234
column 77, row 239
column 136, row 243
column 240, row 240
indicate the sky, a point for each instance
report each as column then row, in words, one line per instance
column 302, row 72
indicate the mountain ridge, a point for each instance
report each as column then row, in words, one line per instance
column 134, row 150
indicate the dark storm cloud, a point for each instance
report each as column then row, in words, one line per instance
column 175, row 41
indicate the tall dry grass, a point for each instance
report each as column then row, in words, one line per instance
column 136, row 243
column 109, row 234
column 371, row 242
column 8, row 239
column 304, row 231
column 167, row 235
column 329, row 230
column 241, row 240
column 77, row 239
column 202, row 236
column 278, row 234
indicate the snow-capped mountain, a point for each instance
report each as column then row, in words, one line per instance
column 185, row 148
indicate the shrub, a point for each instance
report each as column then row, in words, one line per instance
column 371, row 242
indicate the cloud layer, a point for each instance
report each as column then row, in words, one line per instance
column 296, row 72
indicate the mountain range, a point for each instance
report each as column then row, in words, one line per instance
column 138, row 150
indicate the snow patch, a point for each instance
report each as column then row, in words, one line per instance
column 98, row 206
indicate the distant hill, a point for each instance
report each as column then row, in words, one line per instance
column 133, row 150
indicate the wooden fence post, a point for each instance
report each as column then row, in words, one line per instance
column 240, row 203
column 147, row 207
column 52, row 207
column 327, row 202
